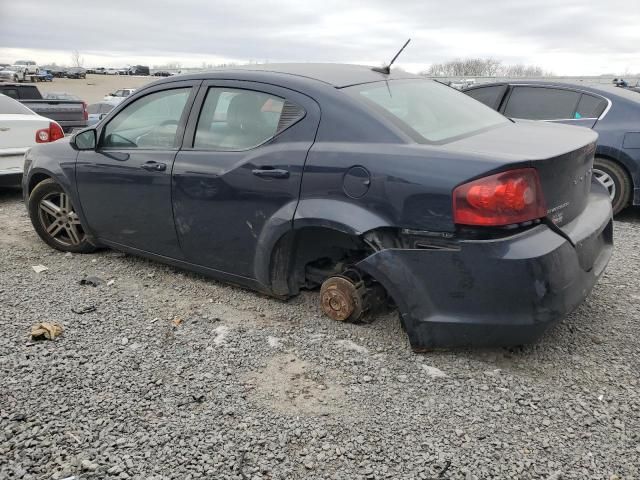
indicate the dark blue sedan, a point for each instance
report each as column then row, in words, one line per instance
column 369, row 186
column 611, row 111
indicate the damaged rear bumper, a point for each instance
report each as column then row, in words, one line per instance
column 500, row 292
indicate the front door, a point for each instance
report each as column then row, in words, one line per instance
column 125, row 184
column 237, row 176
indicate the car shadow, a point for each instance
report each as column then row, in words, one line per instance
column 10, row 193
column 629, row 215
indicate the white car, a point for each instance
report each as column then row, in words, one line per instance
column 119, row 95
column 97, row 111
column 111, row 71
column 19, row 71
column 20, row 129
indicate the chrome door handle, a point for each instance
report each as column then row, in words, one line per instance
column 267, row 172
column 154, row 166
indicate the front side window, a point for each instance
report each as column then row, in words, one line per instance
column 427, row 110
column 542, row 103
column 149, row 122
column 234, row 119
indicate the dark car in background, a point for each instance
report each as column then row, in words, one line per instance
column 613, row 112
column 76, row 72
column 57, row 72
column 138, row 70
column 69, row 113
column 339, row 177
column 44, row 76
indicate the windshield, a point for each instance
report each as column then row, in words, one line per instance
column 426, row 110
column 10, row 106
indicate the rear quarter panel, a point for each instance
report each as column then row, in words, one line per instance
column 410, row 185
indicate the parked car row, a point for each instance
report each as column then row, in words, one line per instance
column 66, row 72
column 132, row 70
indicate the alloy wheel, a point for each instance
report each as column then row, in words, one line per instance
column 607, row 181
column 59, row 219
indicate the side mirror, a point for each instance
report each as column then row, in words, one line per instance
column 85, row 140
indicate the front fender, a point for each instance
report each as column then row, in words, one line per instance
column 55, row 160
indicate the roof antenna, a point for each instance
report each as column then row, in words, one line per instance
column 387, row 70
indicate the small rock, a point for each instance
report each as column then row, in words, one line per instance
column 89, row 465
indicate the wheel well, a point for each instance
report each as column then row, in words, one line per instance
column 303, row 258
column 35, row 180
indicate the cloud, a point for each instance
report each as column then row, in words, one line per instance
column 569, row 37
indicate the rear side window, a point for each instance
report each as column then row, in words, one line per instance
column 590, row 106
column 541, row 103
column 10, row 92
column 234, row 119
column 149, row 122
column 490, row 96
column 29, row 93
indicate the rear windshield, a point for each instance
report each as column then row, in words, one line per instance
column 11, row 106
column 428, row 111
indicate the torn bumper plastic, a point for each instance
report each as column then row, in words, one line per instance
column 500, row 292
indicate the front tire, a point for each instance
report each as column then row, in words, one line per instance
column 615, row 179
column 55, row 220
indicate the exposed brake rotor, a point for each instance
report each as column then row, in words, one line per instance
column 341, row 299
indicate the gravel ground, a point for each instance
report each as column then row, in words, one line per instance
column 178, row 376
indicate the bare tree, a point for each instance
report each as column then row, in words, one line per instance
column 482, row 67
column 76, row 59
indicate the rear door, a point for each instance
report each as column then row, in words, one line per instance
column 237, row 177
column 125, row 184
column 553, row 104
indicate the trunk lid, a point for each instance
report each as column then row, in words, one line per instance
column 19, row 131
column 562, row 155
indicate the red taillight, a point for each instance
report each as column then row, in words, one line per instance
column 85, row 113
column 505, row 198
column 51, row 134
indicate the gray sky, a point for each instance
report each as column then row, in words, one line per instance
column 568, row 37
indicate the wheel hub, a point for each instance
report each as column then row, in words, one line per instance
column 340, row 299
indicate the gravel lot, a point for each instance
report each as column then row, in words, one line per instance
column 247, row 387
